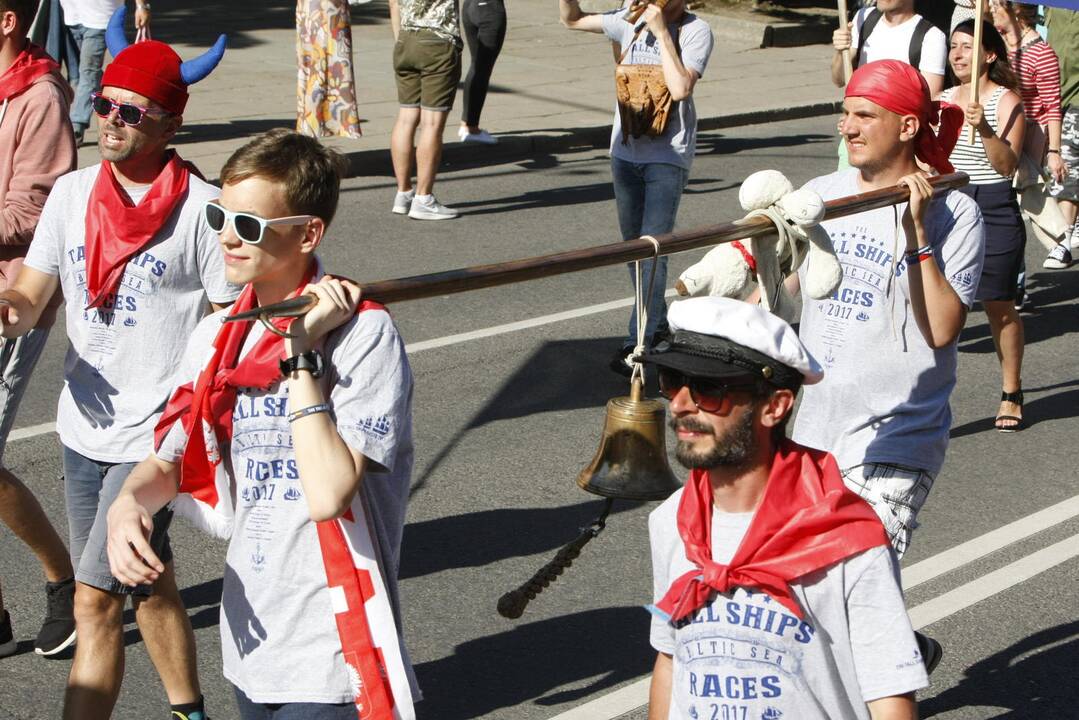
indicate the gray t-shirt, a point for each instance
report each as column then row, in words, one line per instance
column 884, row 397
column 746, row 656
column 122, row 356
column 677, row 145
column 279, row 639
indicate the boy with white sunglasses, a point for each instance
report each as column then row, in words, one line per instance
column 298, row 448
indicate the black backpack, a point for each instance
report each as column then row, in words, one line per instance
column 914, row 52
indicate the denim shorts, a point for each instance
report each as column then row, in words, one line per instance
column 18, row 356
column 292, row 711
column 896, row 493
column 91, row 487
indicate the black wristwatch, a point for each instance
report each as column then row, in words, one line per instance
column 311, row 361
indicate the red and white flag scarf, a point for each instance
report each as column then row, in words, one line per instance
column 365, row 622
column 807, row 520
column 117, row 229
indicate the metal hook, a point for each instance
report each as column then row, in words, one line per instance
column 264, row 318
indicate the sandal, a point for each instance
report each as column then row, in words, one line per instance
column 1012, row 397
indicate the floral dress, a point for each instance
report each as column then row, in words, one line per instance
column 325, row 91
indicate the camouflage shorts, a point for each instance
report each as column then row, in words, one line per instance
column 896, row 493
column 1069, row 153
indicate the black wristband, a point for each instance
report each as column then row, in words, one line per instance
column 311, row 361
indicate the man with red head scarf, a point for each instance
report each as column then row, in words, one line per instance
column 887, row 337
column 127, row 243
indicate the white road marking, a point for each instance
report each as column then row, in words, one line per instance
column 992, row 541
column 995, row 582
column 523, row 324
column 635, row 695
column 35, row 430
column 31, row 431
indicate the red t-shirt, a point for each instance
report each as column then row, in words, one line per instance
column 1039, row 81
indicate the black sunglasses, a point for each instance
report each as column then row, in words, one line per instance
column 707, row 395
column 248, row 226
column 128, row 113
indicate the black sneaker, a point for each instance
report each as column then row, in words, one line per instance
column 7, row 638
column 618, row 361
column 58, row 631
column 931, row 651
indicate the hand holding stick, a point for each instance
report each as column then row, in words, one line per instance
column 848, row 67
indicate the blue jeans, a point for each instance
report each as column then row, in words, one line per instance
column 59, row 42
column 647, row 196
column 91, row 42
column 292, row 711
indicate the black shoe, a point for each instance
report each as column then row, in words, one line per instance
column 618, row 361
column 58, row 631
column 931, row 651
column 7, row 638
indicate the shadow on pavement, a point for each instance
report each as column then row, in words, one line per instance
column 530, row 662
column 1029, row 678
column 203, row 131
column 486, row 537
column 560, row 375
column 199, row 22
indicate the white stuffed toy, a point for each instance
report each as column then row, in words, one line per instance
column 728, row 269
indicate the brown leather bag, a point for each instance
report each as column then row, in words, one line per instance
column 644, row 100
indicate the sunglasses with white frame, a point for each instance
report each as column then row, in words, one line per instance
column 246, row 225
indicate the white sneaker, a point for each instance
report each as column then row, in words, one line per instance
column 1058, row 258
column 426, row 207
column 482, row 137
column 1073, row 238
column 403, row 201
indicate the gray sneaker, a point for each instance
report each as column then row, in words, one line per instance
column 430, row 209
column 1058, row 258
column 402, row 201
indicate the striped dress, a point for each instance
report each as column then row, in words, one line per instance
column 972, row 159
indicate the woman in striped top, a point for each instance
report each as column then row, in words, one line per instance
column 1038, row 69
column 991, row 161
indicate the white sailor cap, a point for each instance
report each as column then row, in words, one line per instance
column 719, row 337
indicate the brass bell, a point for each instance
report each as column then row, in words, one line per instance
column 631, row 462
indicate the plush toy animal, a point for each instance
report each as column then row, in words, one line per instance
column 737, row 269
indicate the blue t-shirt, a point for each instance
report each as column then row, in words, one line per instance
column 884, row 397
column 677, row 145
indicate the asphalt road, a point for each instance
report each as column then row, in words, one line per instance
column 505, row 422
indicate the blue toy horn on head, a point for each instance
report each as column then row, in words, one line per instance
column 194, row 70
column 115, row 39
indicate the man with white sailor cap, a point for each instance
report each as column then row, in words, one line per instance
column 776, row 590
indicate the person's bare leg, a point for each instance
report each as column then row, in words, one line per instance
column 21, row 512
column 1069, row 210
column 402, row 150
column 170, row 641
column 1007, row 328
column 429, row 149
column 98, row 669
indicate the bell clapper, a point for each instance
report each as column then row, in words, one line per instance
column 512, row 605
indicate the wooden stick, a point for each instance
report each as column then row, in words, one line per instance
column 505, row 273
column 848, row 67
column 976, row 60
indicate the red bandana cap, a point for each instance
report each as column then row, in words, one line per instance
column 898, row 87
column 153, row 69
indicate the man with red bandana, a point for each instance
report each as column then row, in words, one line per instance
column 36, row 148
column 887, row 337
column 777, row 594
column 139, row 267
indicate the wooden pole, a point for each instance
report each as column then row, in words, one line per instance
column 505, row 273
column 976, row 60
column 848, row 67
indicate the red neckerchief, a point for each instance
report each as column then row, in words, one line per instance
column 116, row 230
column 746, row 255
column 207, row 407
column 807, row 520
column 31, row 64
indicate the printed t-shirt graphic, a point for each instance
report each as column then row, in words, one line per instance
column 280, row 642
column 885, row 393
column 123, row 355
column 746, row 657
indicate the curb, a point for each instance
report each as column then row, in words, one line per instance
column 510, row 148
